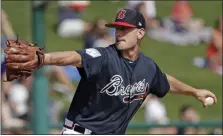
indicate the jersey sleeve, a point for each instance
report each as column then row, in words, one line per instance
column 160, row 85
column 93, row 59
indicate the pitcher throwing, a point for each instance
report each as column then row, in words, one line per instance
column 115, row 80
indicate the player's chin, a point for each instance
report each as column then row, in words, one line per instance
column 120, row 46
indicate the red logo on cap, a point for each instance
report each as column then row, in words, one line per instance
column 121, row 14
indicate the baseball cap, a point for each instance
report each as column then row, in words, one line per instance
column 128, row 18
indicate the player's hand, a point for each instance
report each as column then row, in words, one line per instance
column 202, row 94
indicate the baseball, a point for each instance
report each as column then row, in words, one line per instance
column 209, row 100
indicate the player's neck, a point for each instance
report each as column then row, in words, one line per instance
column 132, row 53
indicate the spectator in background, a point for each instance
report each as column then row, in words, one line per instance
column 98, row 35
column 57, row 74
column 189, row 114
column 90, row 36
column 7, row 118
column 103, row 39
column 155, row 113
column 72, row 73
column 61, row 79
column 214, row 50
column 70, row 22
column 15, row 110
column 181, row 28
column 148, row 9
column 18, row 97
column 213, row 58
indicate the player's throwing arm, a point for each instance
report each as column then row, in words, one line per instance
column 113, row 82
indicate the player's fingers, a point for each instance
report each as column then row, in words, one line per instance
column 210, row 94
column 204, row 103
column 15, row 50
column 215, row 100
column 16, row 58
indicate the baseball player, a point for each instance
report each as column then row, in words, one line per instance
column 115, row 80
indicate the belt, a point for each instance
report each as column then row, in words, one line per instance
column 74, row 126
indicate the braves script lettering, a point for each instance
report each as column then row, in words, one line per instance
column 116, row 87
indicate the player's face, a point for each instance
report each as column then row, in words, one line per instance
column 127, row 38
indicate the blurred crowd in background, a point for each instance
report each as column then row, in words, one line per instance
column 180, row 28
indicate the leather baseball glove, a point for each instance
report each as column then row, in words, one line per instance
column 22, row 58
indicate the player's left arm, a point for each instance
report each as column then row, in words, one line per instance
column 178, row 87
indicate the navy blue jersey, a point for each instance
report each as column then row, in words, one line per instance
column 112, row 89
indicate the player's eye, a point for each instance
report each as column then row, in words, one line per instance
column 121, row 28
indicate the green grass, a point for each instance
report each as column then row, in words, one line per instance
column 176, row 61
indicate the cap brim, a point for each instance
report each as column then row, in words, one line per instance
column 116, row 24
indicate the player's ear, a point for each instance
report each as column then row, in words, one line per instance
column 141, row 33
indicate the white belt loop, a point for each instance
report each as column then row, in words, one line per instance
column 87, row 131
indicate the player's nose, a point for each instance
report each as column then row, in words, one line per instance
column 118, row 33
column 118, row 38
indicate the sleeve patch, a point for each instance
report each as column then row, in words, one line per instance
column 93, row 52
